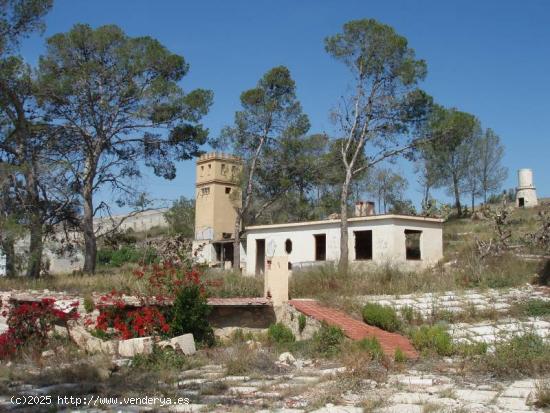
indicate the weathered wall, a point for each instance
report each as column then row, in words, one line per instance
column 249, row 317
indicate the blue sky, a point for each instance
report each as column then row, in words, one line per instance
column 490, row 58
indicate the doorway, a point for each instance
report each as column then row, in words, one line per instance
column 521, row 202
column 260, row 256
column 320, row 247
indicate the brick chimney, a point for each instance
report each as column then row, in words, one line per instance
column 364, row 208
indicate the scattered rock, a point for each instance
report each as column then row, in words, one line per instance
column 133, row 346
column 48, row 353
column 185, row 343
column 287, row 358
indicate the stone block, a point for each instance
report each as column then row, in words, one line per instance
column 185, row 343
column 134, row 346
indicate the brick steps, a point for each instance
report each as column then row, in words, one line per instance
column 355, row 329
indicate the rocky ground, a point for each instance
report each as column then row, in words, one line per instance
column 304, row 386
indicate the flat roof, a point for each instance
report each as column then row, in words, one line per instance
column 353, row 219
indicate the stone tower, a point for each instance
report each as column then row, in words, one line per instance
column 217, row 194
column 526, row 194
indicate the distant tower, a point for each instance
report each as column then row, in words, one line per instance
column 526, row 194
column 217, row 195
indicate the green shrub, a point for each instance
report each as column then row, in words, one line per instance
column 371, row 345
column 327, row 340
column 280, row 334
column 470, row 350
column 399, row 356
column 433, row 339
column 89, row 305
column 190, row 315
column 160, row 360
column 537, row 308
column 381, row 316
column 301, row 322
column 524, row 355
column 124, row 255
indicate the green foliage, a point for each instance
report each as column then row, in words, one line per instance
column 399, row 356
column 381, row 316
column 160, row 360
column 470, row 349
column 433, row 339
column 190, row 315
column 181, row 217
column 301, row 322
column 280, row 334
column 327, row 340
column 125, row 255
column 371, row 345
column 537, row 308
column 89, row 305
column 527, row 355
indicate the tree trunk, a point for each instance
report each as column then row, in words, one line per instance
column 473, row 202
column 457, row 196
column 90, row 246
column 35, row 226
column 344, row 259
column 8, row 247
column 237, row 243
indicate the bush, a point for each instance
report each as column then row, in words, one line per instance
column 280, row 334
column 433, row 339
column 328, row 339
column 190, row 314
column 526, row 355
column 371, row 345
column 29, row 325
column 301, row 322
column 124, row 255
column 537, row 308
column 381, row 316
column 399, row 356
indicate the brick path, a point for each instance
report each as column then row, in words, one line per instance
column 355, row 329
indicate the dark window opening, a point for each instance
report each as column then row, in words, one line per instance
column 260, row 256
column 521, row 202
column 227, row 190
column 288, row 246
column 289, row 266
column 320, row 247
column 412, row 244
column 363, row 245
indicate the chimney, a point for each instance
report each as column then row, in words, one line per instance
column 364, row 208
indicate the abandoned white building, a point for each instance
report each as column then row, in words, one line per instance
column 409, row 241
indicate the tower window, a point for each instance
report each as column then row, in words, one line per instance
column 224, row 169
column 227, row 190
column 205, row 191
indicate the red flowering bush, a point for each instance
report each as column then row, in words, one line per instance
column 166, row 283
column 29, row 325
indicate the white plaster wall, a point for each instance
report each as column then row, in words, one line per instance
column 388, row 238
column 2, row 264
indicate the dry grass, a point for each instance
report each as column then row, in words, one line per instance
column 542, row 394
column 326, row 282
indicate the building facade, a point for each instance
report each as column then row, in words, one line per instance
column 408, row 241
